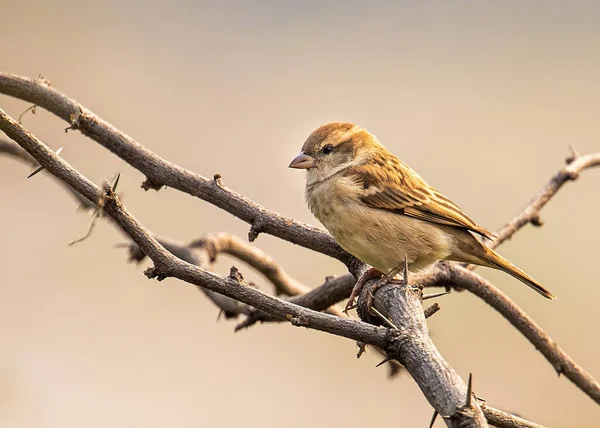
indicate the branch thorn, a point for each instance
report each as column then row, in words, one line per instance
column 116, row 182
column 384, row 318
column 362, row 348
column 385, row 360
column 433, row 418
column 40, row 168
column 469, row 390
column 434, row 295
column 574, row 154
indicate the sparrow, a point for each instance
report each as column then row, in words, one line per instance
column 382, row 212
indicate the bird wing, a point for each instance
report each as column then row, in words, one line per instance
column 395, row 187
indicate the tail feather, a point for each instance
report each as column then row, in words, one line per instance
column 499, row 262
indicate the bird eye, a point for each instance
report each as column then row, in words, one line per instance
column 327, row 149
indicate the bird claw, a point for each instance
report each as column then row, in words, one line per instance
column 368, row 275
column 352, row 300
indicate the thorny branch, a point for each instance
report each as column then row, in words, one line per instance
column 203, row 252
column 161, row 172
column 167, row 264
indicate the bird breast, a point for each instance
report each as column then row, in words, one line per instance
column 377, row 237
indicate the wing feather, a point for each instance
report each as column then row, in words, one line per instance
column 393, row 186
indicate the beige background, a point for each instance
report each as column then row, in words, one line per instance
column 481, row 98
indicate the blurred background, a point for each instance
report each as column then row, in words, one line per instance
column 481, row 98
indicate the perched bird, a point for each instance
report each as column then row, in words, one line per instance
column 381, row 211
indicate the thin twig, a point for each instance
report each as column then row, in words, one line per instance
column 232, row 245
column 501, row 419
column 531, row 213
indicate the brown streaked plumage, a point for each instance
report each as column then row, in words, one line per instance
column 381, row 211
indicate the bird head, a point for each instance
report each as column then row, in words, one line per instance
column 334, row 147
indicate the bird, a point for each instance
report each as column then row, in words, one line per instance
column 382, row 212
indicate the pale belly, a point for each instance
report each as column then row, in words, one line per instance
column 383, row 239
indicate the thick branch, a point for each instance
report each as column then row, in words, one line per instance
column 445, row 390
column 448, row 274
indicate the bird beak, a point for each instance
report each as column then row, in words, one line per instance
column 302, row 161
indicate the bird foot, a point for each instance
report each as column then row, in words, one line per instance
column 368, row 275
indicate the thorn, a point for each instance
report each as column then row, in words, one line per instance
column 116, row 182
column 220, row 314
column 434, row 295
column 362, row 348
column 433, row 418
column 469, row 390
column 40, row 168
column 405, row 276
column 574, row 154
column 384, row 318
column 385, row 360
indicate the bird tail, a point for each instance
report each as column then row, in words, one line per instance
column 495, row 260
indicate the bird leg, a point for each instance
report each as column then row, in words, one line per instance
column 368, row 275
column 385, row 278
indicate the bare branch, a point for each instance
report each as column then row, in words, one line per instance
column 203, row 252
column 161, row 172
column 11, row 149
column 253, row 256
column 502, row 419
column 261, row 219
column 400, row 305
column 166, row 264
column 531, row 213
column 457, row 276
